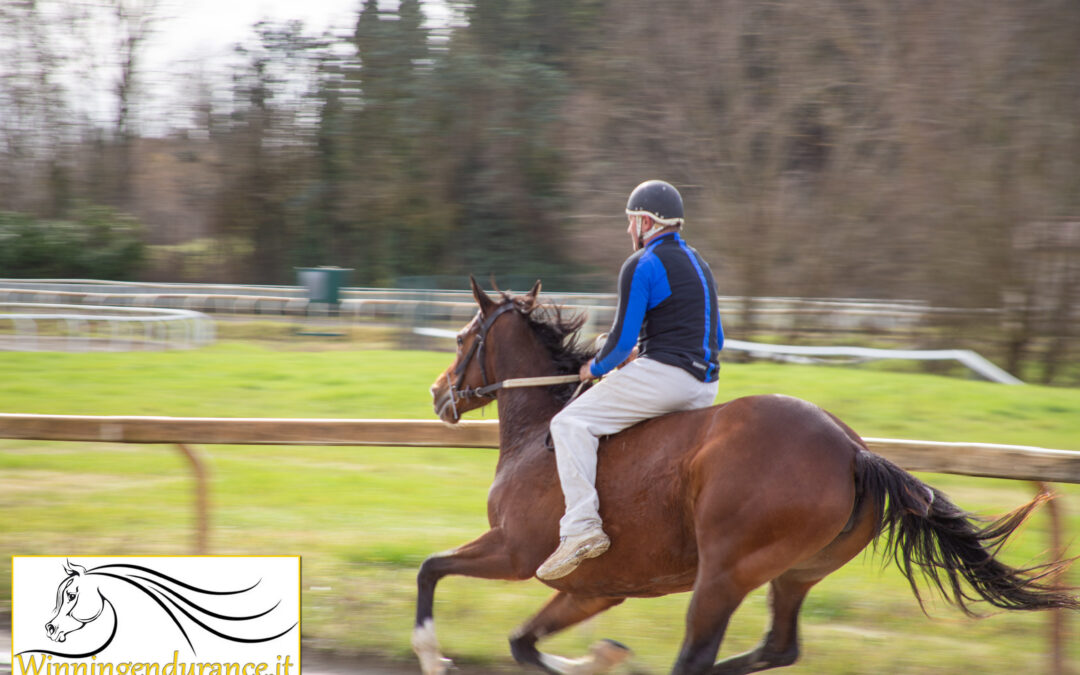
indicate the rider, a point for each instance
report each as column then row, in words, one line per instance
column 667, row 309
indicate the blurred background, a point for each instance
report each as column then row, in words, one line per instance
column 830, row 148
column 922, row 154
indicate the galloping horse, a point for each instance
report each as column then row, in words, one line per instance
column 759, row 490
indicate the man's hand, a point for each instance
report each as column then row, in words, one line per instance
column 585, row 374
column 633, row 355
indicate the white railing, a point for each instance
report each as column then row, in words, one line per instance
column 800, row 353
column 424, row 309
column 58, row 327
column 364, row 303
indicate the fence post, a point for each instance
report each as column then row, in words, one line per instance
column 202, row 518
column 1057, row 616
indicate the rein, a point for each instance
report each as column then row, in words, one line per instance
column 489, row 389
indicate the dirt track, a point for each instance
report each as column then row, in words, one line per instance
column 314, row 662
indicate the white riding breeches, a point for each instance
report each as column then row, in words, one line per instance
column 640, row 390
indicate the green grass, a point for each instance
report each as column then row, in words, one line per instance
column 364, row 518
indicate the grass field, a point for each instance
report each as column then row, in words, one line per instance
column 364, row 518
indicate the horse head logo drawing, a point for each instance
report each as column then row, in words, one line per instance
column 81, row 600
column 77, row 596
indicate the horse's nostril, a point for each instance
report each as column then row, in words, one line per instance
column 50, row 629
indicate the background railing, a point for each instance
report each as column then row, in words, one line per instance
column 419, row 314
column 769, row 313
column 61, row 327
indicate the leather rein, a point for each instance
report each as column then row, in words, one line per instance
column 488, row 389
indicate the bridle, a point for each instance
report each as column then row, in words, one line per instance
column 488, row 389
column 477, row 349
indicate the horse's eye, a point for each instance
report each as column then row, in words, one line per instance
column 460, row 341
column 71, row 596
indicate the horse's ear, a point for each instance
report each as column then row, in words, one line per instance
column 482, row 298
column 531, row 296
column 73, row 570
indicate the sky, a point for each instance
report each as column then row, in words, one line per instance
column 195, row 28
column 209, row 28
column 200, row 35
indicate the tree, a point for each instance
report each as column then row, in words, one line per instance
column 134, row 24
column 97, row 243
column 265, row 171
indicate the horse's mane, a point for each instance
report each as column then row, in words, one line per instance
column 559, row 333
column 172, row 594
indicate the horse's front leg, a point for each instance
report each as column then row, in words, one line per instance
column 562, row 611
column 485, row 558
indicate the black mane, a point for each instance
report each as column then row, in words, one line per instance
column 559, row 332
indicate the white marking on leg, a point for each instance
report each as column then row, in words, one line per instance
column 426, row 646
column 563, row 665
column 602, row 656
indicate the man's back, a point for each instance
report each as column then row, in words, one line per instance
column 668, row 290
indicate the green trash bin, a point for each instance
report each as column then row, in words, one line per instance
column 323, row 284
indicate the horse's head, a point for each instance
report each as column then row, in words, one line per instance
column 76, row 596
column 461, row 386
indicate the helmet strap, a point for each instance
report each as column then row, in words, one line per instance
column 639, row 239
column 658, row 224
column 642, row 233
column 652, row 230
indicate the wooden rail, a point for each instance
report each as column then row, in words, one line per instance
column 970, row 459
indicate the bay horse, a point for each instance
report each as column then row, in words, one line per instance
column 759, row 490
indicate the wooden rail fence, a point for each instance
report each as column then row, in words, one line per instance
column 1039, row 465
column 969, row 459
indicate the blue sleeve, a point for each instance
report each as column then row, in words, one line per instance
column 635, row 283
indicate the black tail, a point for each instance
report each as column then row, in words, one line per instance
column 928, row 532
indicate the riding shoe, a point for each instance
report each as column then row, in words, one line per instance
column 572, row 551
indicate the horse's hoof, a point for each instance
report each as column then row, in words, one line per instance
column 609, row 653
column 446, row 667
column 437, row 666
column 426, row 646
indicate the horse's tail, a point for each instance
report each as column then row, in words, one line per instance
column 948, row 547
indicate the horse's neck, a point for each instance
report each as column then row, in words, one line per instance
column 525, row 412
column 522, row 414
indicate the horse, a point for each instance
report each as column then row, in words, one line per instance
column 718, row 501
column 78, row 594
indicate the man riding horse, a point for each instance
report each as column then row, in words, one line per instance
column 720, row 500
column 666, row 309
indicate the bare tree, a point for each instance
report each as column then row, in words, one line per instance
column 135, row 21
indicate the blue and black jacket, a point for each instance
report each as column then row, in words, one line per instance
column 667, row 301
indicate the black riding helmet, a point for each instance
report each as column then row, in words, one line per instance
column 657, row 199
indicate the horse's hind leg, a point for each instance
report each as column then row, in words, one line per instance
column 780, row 647
column 562, row 611
column 781, row 644
column 715, row 599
